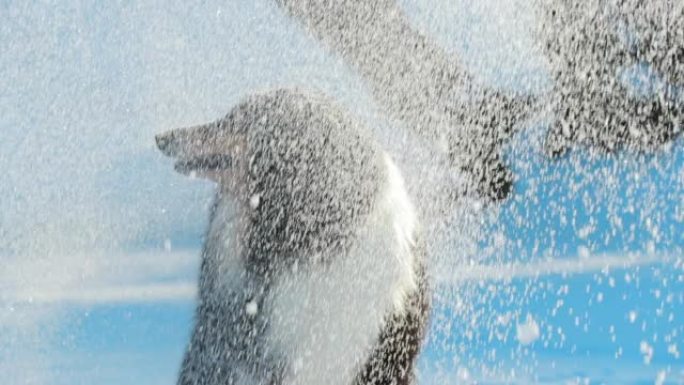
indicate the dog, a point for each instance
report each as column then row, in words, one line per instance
column 312, row 271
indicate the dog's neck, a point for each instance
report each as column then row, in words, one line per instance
column 223, row 256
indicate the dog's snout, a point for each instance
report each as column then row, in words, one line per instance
column 166, row 144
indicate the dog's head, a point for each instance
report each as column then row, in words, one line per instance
column 233, row 151
column 213, row 150
column 300, row 164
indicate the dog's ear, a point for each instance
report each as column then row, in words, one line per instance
column 207, row 151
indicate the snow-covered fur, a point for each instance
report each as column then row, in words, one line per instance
column 312, row 271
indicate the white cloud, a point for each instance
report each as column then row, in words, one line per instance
column 169, row 276
column 158, row 292
column 558, row 266
column 92, row 279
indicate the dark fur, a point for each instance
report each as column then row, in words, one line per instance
column 393, row 358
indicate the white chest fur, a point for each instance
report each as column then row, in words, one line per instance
column 324, row 322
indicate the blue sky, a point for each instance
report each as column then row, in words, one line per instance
column 99, row 237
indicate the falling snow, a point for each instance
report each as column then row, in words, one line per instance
column 539, row 149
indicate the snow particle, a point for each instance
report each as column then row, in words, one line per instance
column 167, row 244
column 647, row 351
column 583, row 252
column 252, row 308
column 672, row 349
column 527, row 332
column 632, row 316
column 254, row 201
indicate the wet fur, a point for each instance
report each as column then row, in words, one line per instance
column 318, row 179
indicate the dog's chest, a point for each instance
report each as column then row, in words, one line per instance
column 325, row 321
column 322, row 322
